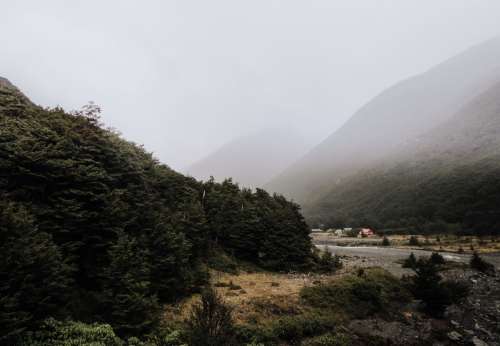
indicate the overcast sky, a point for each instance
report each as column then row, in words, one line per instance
column 183, row 77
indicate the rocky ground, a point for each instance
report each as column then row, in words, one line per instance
column 476, row 321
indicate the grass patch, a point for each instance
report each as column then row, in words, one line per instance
column 291, row 330
column 357, row 296
column 329, row 339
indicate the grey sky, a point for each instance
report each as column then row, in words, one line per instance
column 183, row 77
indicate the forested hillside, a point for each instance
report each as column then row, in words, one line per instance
column 93, row 228
column 397, row 116
column 445, row 180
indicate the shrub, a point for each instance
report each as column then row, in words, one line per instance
column 437, row 258
column 221, row 262
column 56, row 333
column 413, row 241
column 252, row 334
column 328, row 340
column 410, row 262
column 295, row 328
column 328, row 263
column 386, row 242
column 211, row 321
column 435, row 294
column 357, row 296
column 479, row 264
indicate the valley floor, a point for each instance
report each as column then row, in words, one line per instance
column 262, row 298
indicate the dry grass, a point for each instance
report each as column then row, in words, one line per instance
column 263, row 296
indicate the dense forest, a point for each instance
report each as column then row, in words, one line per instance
column 94, row 229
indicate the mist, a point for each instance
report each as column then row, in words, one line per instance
column 185, row 77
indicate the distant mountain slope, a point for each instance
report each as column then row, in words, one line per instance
column 251, row 160
column 450, row 175
column 396, row 116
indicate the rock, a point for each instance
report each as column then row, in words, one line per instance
column 478, row 342
column 454, row 336
column 454, row 323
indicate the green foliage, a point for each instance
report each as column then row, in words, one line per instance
column 437, row 258
column 328, row 263
column 222, row 262
column 479, row 264
column 410, row 262
column 34, row 279
column 211, row 321
column 386, row 242
column 435, row 294
column 56, row 333
column 131, row 303
column 86, row 212
column 449, row 192
column 295, row 328
column 257, row 226
column 357, row 295
column 329, row 339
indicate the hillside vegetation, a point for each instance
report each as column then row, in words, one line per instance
column 447, row 180
column 94, row 229
column 392, row 119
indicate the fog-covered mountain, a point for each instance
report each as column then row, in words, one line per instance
column 251, row 160
column 449, row 176
column 396, row 117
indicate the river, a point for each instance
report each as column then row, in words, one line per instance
column 390, row 258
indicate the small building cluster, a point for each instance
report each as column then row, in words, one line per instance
column 366, row 232
column 347, row 232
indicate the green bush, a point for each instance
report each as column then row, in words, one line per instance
column 211, row 321
column 437, row 258
column 410, row 262
column 328, row 340
column 386, row 242
column 479, row 264
column 56, row 333
column 357, row 296
column 435, row 294
column 221, row 262
column 328, row 263
column 295, row 328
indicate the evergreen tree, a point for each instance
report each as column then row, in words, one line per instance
column 130, row 302
column 34, row 280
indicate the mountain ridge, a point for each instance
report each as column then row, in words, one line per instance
column 251, row 160
column 449, row 177
column 398, row 114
